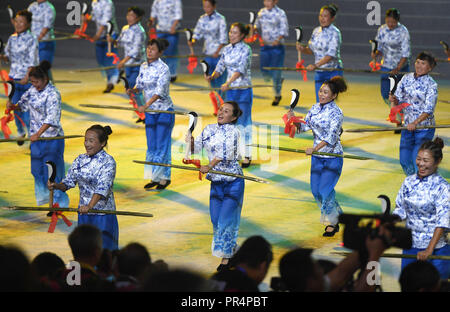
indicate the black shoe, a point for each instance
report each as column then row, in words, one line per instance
column 222, row 267
column 20, row 142
column 161, row 187
column 276, row 101
column 173, row 79
column 151, row 184
column 331, row 234
column 109, row 88
column 140, row 120
column 246, row 165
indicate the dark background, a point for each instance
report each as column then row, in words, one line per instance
column 428, row 22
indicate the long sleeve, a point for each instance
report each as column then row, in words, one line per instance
column 424, row 203
column 399, row 204
column 221, row 142
column 430, row 99
column 154, row 79
column 53, row 110
column 333, row 45
column 421, row 93
column 105, row 178
column 94, row 175
column 325, row 121
column 24, row 101
column 442, row 201
column 70, row 180
column 405, row 44
column 220, row 67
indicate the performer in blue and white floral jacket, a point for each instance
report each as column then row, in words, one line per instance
column 103, row 12
column 42, row 101
column 42, row 25
column 423, row 201
column 221, row 142
column 325, row 44
column 132, row 39
column 272, row 25
column 420, row 91
column 154, row 81
column 325, row 120
column 394, row 45
column 22, row 52
column 167, row 15
column 237, row 59
column 212, row 28
column 94, row 172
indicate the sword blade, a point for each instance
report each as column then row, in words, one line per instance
column 195, row 169
column 116, row 212
column 294, row 150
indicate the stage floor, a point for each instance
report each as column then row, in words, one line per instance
column 180, row 232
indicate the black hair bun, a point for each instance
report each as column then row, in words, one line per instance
column 45, row 66
column 439, row 142
column 164, row 43
column 339, row 82
column 107, row 129
column 334, row 6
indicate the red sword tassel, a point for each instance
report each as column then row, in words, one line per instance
column 82, row 32
column 193, row 62
column 114, row 55
column 290, row 127
column 4, row 123
column 301, row 67
column 152, row 33
column 375, row 65
column 196, row 163
column 133, row 102
column 5, row 77
column 55, row 216
column 214, row 96
column 397, row 110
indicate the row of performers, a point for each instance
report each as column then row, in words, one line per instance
column 422, row 199
column 271, row 26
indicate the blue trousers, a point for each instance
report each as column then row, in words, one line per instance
column 171, row 50
column 24, row 116
column 410, row 142
column 272, row 56
column 42, row 151
column 101, row 48
column 47, row 53
column 325, row 173
column 245, row 100
column 107, row 224
column 158, row 128
column 131, row 74
column 225, row 205
column 218, row 82
column 386, row 85
column 321, row 76
column 443, row 266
